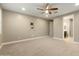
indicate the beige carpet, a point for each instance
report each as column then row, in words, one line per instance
column 41, row 47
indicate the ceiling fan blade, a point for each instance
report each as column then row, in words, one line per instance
column 46, row 5
column 40, row 9
column 53, row 9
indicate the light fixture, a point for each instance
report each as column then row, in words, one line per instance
column 46, row 12
column 23, row 9
column 76, row 4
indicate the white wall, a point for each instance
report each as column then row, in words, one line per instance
column 0, row 25
column 58, row 27
column 51, row 28
column 17, row 26
column 12, row 23
column 76, row 27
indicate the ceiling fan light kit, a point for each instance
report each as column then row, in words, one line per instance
column 46, row 11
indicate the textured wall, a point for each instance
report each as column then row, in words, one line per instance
column 17, row 26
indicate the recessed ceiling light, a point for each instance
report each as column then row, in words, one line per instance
column 23, row 9
column 76, row 4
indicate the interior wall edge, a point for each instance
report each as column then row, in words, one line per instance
column 0, row 26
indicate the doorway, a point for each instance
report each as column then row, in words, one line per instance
column 68, row 28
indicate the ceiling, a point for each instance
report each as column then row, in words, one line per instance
column 31, row 8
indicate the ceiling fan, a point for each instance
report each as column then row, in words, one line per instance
column 48, row 9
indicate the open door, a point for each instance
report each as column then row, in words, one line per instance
column 68, row 28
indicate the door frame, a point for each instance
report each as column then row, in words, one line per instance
column 70, row 16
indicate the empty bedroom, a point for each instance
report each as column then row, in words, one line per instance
column 39, row 29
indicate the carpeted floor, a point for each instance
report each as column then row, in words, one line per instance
column 41, row 47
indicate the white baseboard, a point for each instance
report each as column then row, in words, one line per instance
column 13, row 42
column 23, row 40
column 57, row 38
